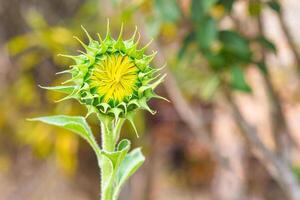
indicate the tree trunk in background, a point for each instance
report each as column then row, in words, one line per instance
column 230, row 175
column 289, row 38
column 279, row 127
column 278, row 167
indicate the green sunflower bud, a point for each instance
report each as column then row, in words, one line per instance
column 112, row 77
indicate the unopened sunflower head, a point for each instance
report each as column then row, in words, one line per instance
column 113, row 77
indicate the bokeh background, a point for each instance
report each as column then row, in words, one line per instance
column 230, row 132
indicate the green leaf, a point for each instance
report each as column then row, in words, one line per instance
column 235, row 46
column 118, row 156
column 238, row 79
column 262, row 66
column 274, row 5
column 118, row 166
column 206, row 32
column 109, row 165
column 76, row 124
column 185, row 44
column 130, row 164
column 216, row 60
column 167, row 10
column 107, row 173
column 267, row 44
column 200, row 8
column 63, row 89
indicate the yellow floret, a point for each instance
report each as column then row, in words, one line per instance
column 114, row 77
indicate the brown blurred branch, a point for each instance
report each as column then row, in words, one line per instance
column 279, row 125
column 289, row 38
column 276, row 166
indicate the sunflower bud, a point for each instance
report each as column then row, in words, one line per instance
column 113, row 77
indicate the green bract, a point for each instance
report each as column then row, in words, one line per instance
column 112, row 77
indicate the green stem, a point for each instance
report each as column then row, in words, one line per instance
column 106, row 190
column 107, row 134
column 110, row 132
column 117, row 129
column 108, row 144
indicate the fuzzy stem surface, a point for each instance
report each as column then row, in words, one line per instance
column 108, row 144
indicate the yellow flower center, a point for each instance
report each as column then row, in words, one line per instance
column 114, row 77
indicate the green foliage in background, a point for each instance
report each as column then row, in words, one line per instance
column 227, row 52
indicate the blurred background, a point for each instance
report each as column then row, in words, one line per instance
column 230, row 132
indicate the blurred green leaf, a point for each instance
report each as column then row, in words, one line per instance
column 167, row 10
column 267, row 44
column 274, row 5
column 216, row 60
column 262, row 66
column 185, row 43
column 199, row 8
column 238, row 81
column 206, row 32
column 235, row 46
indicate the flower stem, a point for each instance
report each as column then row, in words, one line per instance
column 110, row 132
column 108, row 144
